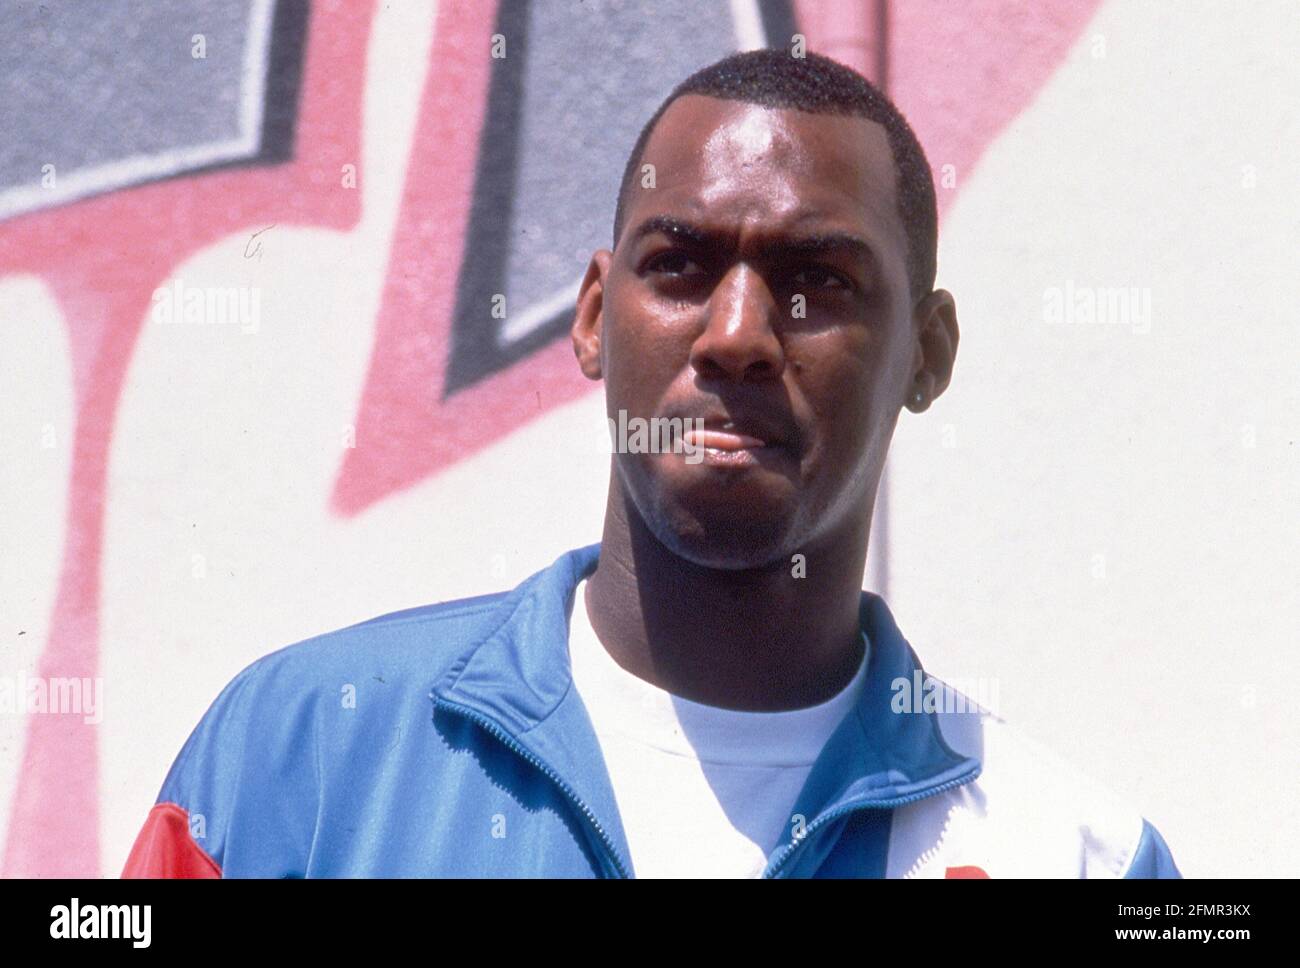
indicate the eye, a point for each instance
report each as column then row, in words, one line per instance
column 821, row 277
column 674, row 263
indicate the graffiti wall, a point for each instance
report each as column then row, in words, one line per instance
column 255, row 386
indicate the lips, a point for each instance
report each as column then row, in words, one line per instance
column 738, row 435
column 718, row 438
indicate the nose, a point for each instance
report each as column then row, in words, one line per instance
column 739, row 341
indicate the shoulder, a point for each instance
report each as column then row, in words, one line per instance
column 247, row 784
column 393, row 658
column 406, row 650
column 1030, row 813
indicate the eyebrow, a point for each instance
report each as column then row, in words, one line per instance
column 811, row 244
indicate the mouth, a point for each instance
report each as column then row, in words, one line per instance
column 722, row 440
column 726, row 442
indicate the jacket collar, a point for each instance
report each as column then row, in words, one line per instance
column 519, row 677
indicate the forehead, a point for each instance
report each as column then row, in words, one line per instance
column 736, row 164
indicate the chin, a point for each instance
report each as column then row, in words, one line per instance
column 731, row 539
column 730, row 553
column 717, row 518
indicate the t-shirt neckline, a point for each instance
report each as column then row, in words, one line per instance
column 642, row 711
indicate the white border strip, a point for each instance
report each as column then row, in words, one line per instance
column 538, row 313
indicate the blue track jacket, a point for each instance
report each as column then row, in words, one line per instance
column 447, row 741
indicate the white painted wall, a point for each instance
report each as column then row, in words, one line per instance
column 1104, row 519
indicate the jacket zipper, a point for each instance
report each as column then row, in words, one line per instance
column 795, row 845
column 927, row 855
column 497, row 730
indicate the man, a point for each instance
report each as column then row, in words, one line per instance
column 707, row 692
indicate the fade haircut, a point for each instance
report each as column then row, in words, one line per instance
column 775, row 78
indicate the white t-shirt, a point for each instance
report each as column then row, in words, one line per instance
column 702, row 791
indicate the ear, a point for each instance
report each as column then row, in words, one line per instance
column 935, row 325
column 588, row 322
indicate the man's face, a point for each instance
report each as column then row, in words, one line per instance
column 760, row 285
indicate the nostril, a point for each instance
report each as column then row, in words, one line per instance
column 709, row 368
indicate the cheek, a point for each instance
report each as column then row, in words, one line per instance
column 847, row 396
column 642, row 361
column 639, row 376
column 840, row 383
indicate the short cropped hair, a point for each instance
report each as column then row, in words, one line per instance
column 775, row 78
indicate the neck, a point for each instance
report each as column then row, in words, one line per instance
column 757, row 639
